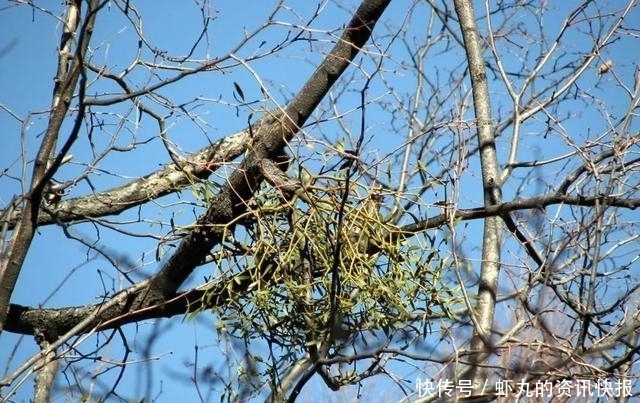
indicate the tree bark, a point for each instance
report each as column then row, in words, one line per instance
column 490, row 268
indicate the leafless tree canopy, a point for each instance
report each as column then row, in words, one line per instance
column 290, row 201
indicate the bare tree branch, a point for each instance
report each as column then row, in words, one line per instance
column 70, row 71
column 490, row 268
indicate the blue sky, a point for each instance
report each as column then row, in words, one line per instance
column 70, row 275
